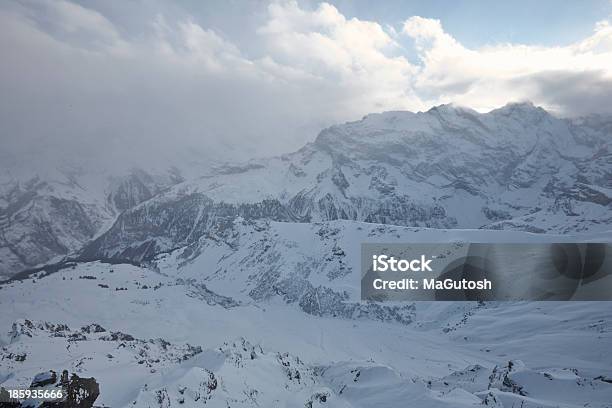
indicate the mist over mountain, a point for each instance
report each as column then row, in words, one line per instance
column 129, row 84
column 517, row 167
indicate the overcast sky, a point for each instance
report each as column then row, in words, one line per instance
column 149, row 78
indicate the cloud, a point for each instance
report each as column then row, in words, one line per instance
column 74, row 82
column 576, row 93
column 82, row 83
column 490, row 76
column 356, row 61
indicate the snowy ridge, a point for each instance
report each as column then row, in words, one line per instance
column 515, row 168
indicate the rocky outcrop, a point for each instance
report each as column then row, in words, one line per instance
column 75, row 391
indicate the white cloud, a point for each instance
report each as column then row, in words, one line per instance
column 74, row 80
column 356, row 59
column 490, row 76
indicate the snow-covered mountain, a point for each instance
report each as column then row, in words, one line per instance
column 450, row 167
column 517, row 168
column 46, row 216
column 241, row 286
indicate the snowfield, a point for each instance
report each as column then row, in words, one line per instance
column 192, row 330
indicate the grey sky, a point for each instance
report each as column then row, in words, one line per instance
column 151, row 80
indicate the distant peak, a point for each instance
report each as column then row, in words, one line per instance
column 441, row 107
column 518, row 106
column 450, row 107
column 521, row 105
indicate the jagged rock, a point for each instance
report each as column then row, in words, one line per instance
column 78, row 392
column 117, row 336
column 42, row 379
column 501, row 377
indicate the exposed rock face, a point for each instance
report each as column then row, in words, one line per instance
column 501, row 378
column 35, row 226
column 139, row 186
column 76, row 392
column 81, row 392
column 45, row 218
column 160, row 226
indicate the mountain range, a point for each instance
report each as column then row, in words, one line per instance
column 239, row 284
column 517, row 167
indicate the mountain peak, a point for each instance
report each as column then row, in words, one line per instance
column 444, row 107
column 520, row 106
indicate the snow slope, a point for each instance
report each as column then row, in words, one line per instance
column 199, row 333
